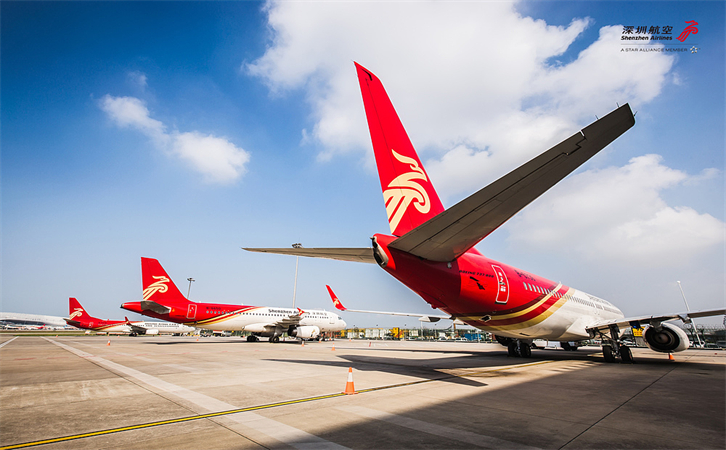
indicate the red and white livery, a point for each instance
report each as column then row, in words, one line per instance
column 163, row 300
column 431, row 249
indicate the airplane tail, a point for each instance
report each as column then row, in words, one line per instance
column 76, row 311
column 157, row 284
column 409, row 196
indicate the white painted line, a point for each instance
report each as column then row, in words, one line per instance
column 7, row 342
column 468, row 437
column 276, row 430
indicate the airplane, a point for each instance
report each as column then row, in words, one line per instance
column 163, row 300
column 421, row 317
column 79, row 318
column 431, row 249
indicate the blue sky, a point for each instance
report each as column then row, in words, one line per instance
column 186, row 130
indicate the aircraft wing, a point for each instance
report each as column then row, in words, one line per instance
column 421, row 317
column 292, row 319
column 637, row 322
column 135, row 328
column 342, row 254
column 454, row 231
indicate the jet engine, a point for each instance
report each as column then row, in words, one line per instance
column 667, row 338
column 306, row 332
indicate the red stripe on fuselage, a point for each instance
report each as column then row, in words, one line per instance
column 467, row 287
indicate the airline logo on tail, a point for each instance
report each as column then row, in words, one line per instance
column 403, row 190
column 77, row 312
column 157, row 286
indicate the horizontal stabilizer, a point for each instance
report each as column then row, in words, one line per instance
column 148, row 305
column 454, row 231
column 342, row 254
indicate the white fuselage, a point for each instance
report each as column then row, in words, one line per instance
column 254, row 318
column 578, row 311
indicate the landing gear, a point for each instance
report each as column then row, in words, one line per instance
column 626, row 356
column 613, row 349
column 525, row 351
column 607, row 352
column 252, row 338
column 519, row 348
column 275, row 339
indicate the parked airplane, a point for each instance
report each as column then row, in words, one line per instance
column 163, row 300
column 79, row 318
column 421, row 317
column 431, row 250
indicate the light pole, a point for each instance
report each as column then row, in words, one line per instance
column 297, row 261
column 688, row 309
column 190, row 279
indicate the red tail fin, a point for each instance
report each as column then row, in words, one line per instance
column 157, row 284
column 76, row 311
column 335, row 299
column 403, row 179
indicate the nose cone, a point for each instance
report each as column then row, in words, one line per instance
column 132, row 306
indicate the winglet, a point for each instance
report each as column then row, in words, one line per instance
column 334, row 297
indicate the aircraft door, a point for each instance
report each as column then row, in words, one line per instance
column 503, row 285
column 192, row 311
column 332, row 318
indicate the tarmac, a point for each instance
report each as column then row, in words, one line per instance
column 92, row 392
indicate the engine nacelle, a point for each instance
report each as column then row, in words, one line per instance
column 306, row 332
column 669, row 339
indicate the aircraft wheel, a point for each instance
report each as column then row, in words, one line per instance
column 525, row 351
column 626, row 356
column 251, row 338
column 275, row 339
column 513, row 349
column 607, row 352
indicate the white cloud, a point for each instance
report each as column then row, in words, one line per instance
column 219, row 160
column 462, row 75
column 133, row 113
column 137, row 79
column 617, row 214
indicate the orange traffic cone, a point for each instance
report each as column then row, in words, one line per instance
column 670, row 357
column 302, row 342
column 349, row 388
column 333, row 349
column 108, row 343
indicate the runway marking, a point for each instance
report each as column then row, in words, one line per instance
column 468, row 437
column 276, row 430
column 263, row 424
column 7, row 342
